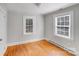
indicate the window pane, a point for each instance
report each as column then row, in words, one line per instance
column 67, row 18
column 58, row 21
column 27, row 28
column 66, row 34
column 31, row 29
column 67, row 23
column 62, row 19
column 59, row 28
column 27, row 21
column 62, row 33
column 59, row 32
column 62, row 29
column 66, row 29
column 62, row 23
column 30, row 22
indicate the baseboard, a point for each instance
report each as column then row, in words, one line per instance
column 4, row 51
column 70, row 51
column 23, row 42
column 2, row 54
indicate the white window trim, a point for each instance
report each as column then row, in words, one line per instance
column 24, row 25
column 69, row 37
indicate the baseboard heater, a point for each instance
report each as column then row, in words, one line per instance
column 70, row 51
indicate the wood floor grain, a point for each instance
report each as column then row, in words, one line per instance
column 39, row 48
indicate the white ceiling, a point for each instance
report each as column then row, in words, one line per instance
column 31, row 8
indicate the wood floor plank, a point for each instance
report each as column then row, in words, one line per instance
column 39, row 48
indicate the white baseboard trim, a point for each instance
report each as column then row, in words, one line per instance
column 2, row 54
column 4, row 50
column 23, row 42
column 70, row 51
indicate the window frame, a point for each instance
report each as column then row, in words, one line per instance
column 69, row 26
column 24, row 24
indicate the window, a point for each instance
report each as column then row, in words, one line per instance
column 28, row 25
column 62, row 26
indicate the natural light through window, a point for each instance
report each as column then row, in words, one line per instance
column 62, row 26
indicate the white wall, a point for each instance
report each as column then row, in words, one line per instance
column 72, row 44
column 15, row 28
column 3, row 30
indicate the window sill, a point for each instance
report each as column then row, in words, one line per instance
column 62, row 36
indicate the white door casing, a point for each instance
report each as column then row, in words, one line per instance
column 3, row 32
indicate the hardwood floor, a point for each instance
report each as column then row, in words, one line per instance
column 39, row 48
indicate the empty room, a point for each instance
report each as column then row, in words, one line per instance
column 39, row 29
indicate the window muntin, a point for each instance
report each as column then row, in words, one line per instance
column 29, row 25
column 62, row 27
